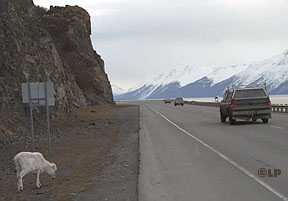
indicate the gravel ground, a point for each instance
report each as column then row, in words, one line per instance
column 97, row 154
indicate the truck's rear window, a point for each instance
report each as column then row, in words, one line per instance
column 250, row 93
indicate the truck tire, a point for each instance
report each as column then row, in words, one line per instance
column 231, row 120
column 222, row 117
column 265, row 121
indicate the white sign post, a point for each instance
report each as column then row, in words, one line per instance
column 48, row 116
column 31, row 115
column 39, row 94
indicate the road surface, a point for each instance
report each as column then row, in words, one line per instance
column 187, row 155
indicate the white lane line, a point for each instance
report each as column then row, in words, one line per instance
column 278, row 127
column 233, row 163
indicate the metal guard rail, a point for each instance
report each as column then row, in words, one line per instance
column 282, row 108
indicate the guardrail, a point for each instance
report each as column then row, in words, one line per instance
column 282, row 108
column 210, row 104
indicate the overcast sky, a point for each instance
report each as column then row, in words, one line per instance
column 139, row 39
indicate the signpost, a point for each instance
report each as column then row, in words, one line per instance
column 48, row 115
column 31, row 115
column 38, row 94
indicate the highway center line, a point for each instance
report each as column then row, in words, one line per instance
column 233, row 163
column 278, row 127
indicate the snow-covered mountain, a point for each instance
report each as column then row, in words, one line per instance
column 117, row 90
column 211, row 81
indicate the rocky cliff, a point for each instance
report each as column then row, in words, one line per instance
column 36, row 44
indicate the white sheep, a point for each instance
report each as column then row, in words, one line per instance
column 34, row 162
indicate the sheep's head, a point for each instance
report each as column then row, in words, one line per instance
column 52, row 170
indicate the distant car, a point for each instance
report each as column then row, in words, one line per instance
column 247, row 104
column 179, row 101
column 167, row 101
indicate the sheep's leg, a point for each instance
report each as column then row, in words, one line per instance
column 18, row 183
column 17, row 174
column 38, row 184
column 20, row 180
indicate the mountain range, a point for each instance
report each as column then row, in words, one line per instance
column 193, row 81
column 117, row 90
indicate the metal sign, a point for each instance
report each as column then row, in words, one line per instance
column 38, row 93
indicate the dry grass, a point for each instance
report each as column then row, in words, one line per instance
column 81, row 153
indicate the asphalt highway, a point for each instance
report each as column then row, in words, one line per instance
column 187, row 155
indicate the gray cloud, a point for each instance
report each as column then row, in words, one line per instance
column 139, row 39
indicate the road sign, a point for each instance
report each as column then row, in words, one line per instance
column 38, row 93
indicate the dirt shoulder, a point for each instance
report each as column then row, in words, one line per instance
column 97, row 154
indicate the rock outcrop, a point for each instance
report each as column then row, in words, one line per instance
column 36, row 43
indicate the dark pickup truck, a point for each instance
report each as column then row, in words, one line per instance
column 247, row 104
